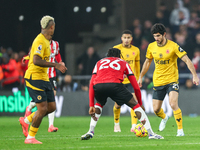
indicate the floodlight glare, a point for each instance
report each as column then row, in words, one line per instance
column 88, row 9
column 103, row 9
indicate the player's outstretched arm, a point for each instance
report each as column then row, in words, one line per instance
column 37, row 60
column 191, row 68
column 145, row 68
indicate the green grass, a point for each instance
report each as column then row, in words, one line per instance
column 71, row 128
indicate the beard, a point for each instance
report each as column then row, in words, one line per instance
column 161, row 41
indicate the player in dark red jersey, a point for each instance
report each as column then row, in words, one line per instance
column 106, row 81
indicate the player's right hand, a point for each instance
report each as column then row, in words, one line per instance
column 92, row 113
column 140, row 82
column 60, row 67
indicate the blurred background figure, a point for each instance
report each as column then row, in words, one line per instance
column 180, row 15
column 165, row 12
column 86, row 63
column 147, row 83
column 196, row 60
column 183, row 69
column 10, row 73
column 147, row 31
column 67, row 85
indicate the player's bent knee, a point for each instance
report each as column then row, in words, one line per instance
column 42, row 110
column 51, row 107
column 117, row 106
column 174, row 106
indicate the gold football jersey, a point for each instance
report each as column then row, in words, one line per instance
column 165, row 59
column 40, row 47
column 132, row 57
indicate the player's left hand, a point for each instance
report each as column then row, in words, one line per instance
column 196, row 80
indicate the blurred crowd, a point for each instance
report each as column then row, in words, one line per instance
column 183, row 27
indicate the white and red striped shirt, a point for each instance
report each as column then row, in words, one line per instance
column 55, row 56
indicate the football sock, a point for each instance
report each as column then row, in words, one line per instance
column 31, row 106
column 116, row 113
column 32, row 132
column 51, row 118
column 30, row 117
column 144, row 118
column 133, row 118
column 178, row 118
column 161, row 114
column 93, row 123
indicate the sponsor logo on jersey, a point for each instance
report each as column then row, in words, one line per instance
column 129, row 61
column 180, row 49
column 133, row 53
column 162, row 62
column 167, row 51
column 40, row 47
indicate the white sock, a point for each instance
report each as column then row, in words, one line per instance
column 93, row 123
column 116, row 124
column 165, row 118
column 51, row 118
column 29, row 137
column 180, row 130
column 26, row 121
column 144, row 117
column 31, row 106
column 133, row 126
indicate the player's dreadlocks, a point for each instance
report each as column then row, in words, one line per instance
column 114, row 52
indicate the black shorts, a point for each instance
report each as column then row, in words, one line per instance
column 159, row 92
column 116, row 91
column 129, row 87
column 40, row 90
column 53, row 83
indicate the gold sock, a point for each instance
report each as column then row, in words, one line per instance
column 116, row 113
column 133, row 117
column 161, row 114
column 30, row 117
column 32, row 131
column 178, row 118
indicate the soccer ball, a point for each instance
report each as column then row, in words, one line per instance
column 140, row 130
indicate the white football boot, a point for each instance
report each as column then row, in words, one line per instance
column 87, row 136
column 117, row 128
column 180, row 132
column 163, row 123
column 155, row 136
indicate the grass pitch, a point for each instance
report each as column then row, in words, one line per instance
column 71, row 129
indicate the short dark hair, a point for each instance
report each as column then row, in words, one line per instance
column 114, row 52
column 127, row 32
column 158, row 28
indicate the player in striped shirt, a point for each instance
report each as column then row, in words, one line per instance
column 54, row 57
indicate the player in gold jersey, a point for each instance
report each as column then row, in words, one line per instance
column 130, row 54
column 165, row 78
column 37, row 80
